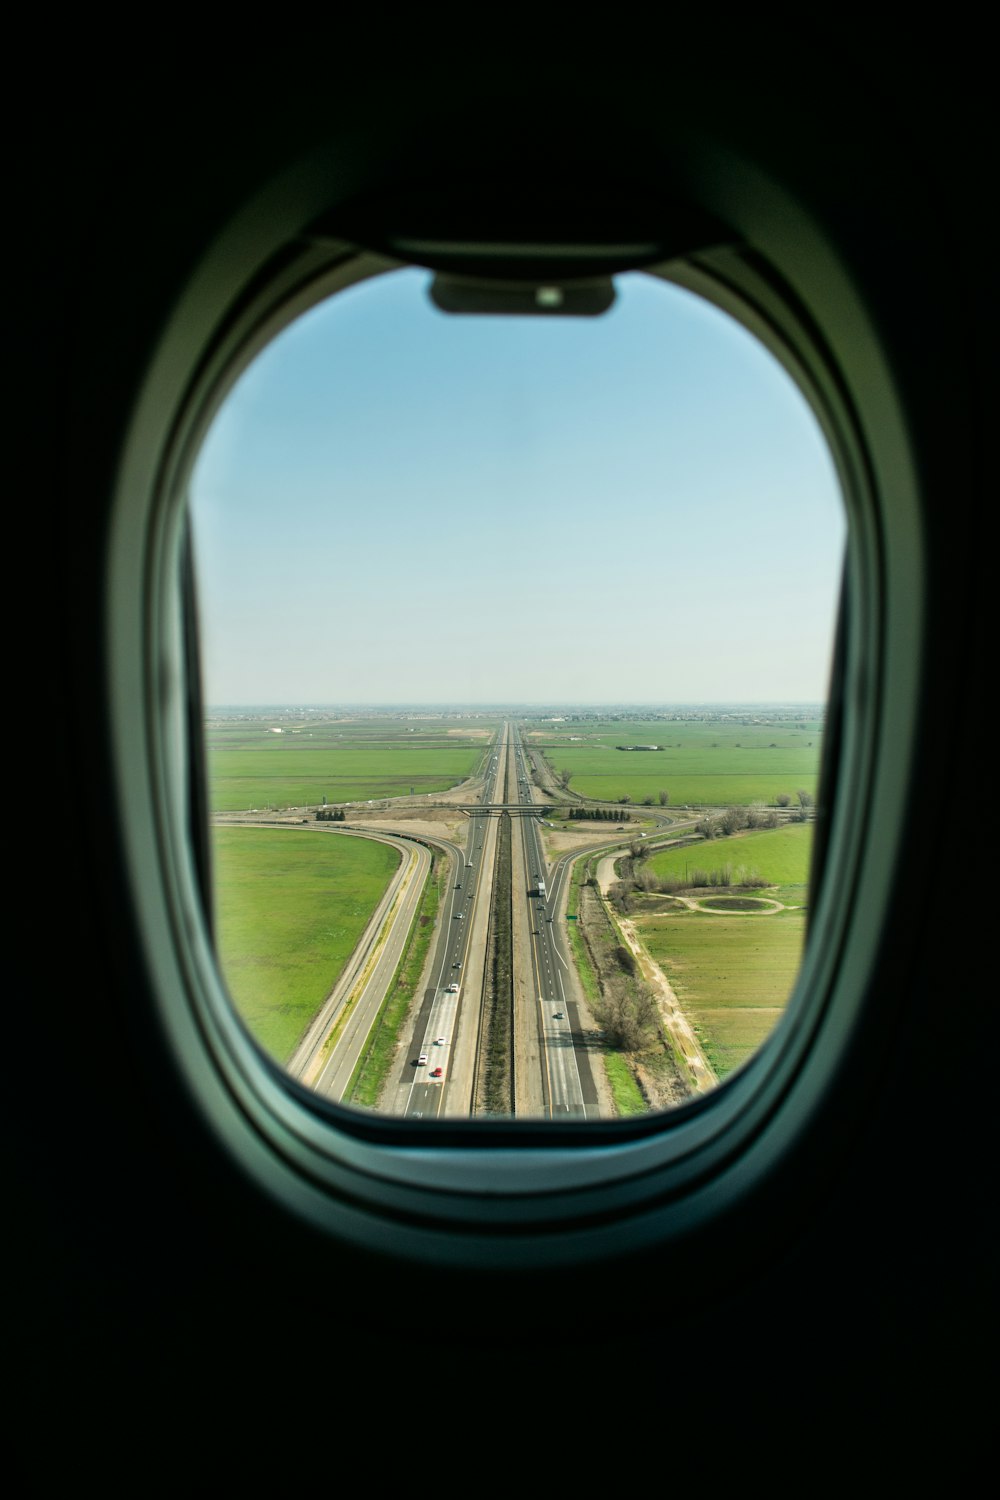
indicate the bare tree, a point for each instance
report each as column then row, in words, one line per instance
column 627, row 1013
column 732, row 820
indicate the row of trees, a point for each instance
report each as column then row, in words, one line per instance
column 735, row 819
column 757, row 815
column 662, row 796
column 640, row 878
column 599, row 814
column 331, row 815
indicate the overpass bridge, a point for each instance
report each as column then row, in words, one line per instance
column 487, row 809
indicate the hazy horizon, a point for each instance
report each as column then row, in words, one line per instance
column 513, row 708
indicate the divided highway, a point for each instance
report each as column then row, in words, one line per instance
column 567, row 1085
column 437, row 1074
column 434, row 1078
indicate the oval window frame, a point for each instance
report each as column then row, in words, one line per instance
column 486, row 1193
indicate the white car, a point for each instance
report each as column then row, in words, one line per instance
column 421, row 1059
column 452, row 989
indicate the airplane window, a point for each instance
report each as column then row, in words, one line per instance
column 516, row 638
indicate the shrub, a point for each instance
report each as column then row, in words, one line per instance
column 626, row 959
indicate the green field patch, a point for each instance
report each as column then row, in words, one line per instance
column 728, row 1037
column 732, row 977
column 250, row 729
column 298, row 775
column 748, row 730
column 717, row 789
column 290, row 908
column 701, row 764
column 780, row 856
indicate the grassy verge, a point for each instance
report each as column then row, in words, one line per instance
column 625, row 1091
column 375, row 1063
column 582, row 869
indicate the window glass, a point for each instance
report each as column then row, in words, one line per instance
column 516, row 637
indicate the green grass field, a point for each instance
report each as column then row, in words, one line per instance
column 710, row 762
column 733, row 974
column 290, row 908
column 252, row 766
column 780, row 855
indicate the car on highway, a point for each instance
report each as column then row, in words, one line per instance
column 453, row 989
column 437, row 1073
column 558, row 1015
column 421, row 1059
column 440, row 1041
column 459, row 915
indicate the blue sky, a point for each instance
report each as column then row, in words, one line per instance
column 398, row 506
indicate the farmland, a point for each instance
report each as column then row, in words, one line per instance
column 292, row 904
column 732, row 974
column 704, row 762
column 290, row 909
column 779, row 855
column 288, row 761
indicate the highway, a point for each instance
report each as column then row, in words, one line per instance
column 552, row 1074
column 446, row 1032
column 435, row 1073
column 549, row 1024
